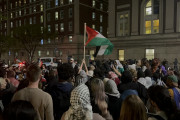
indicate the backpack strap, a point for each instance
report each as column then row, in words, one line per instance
column 155, row 116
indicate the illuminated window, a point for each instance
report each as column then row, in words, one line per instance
column 16, row 3
column 39, row 53
column 121, row 55
column 123, row 24
column 93, row 3
column 151, row 17
column 41, row 7
column 100, row 29
column 30, row 10
column 41, row 19
column 150, row 54
column 42, row 41
column 61, row 2
column 34, row 9
column 93, row 15
column 70, row 1
column 19, row 2
column 47, row 53
column 11, row 15
column 101, row 6
column 20, row 13
column 49, row 40
column 62, row 27
column 49, row 28
column 42, row 29
column 30, row 1
column 56, row 2
column 24, row 1
column 11, row 5
column 101, row 18
column 9, row 53
column 70, row 26
column 70, row 38
column 5, row 25
column 56, row 15
column 30, row 20
column 93, row 27
column 91, row 54
column 11, row 24
column 56, row 27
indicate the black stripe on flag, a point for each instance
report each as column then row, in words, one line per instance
column 97, row 50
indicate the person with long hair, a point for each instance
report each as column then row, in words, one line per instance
column 99, row 98
column 162, row 103
column 133, row 109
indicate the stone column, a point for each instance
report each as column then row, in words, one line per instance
column 169, row 19
column 111, row 18
column 135, row 17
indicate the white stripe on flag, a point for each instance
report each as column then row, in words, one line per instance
column 102, row 49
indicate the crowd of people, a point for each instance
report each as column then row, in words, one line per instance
column 103, row 90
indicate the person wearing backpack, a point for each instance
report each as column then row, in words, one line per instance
column 61, row 91
column 172, row 83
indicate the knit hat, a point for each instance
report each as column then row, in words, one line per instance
column 111, row 88
column 173, row 78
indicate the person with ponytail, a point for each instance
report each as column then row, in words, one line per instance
column 165, row 108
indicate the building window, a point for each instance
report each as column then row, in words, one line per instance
column 25, row 11
column 121, row 55
column 70, row 12
column 30, row 1
column 16, row 23
column 49, row 28
column 56, row 39
column 151, row 21
column 41, row 7
column 11, row 15
column 25, row 21
column 70, row 1
column 101, row 6
column 93, row 3
column 42, row 41
column 34, row 9
column 48, row 5
column 16, row 13
column 93, row 15
column 62, row 14
column 24, row 1
column 56, row 27
column 101, row 29
column 9, row 53
column 123, row 24
column 150, row 54
column 56, row 15
column 62, row 2
column 30, row 10
column 101, row 18
column 91, row 54
column 62, row 27
column 11, row 25
column 39, row 53
column 70, row 26
column 5, row 25
column 19, row 2
column 70, row 38
column 48, row 17
column 42, row 29
column 16, row 3
column 11, row 6
column 34, row 19
column 30, row 20
column 19, row 22
column 49, row 40
column 41, row 19
column 11, row 33
column 93, row 27
column 47, row 53
column 20, row 13
column 56, row 2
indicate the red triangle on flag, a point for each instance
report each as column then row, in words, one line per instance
column 91, row 34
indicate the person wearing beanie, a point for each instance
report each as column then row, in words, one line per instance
column 174, row 91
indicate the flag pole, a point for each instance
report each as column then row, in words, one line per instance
column 84, row 40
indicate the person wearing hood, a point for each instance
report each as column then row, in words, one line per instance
column 61, row 91
column 113, row 98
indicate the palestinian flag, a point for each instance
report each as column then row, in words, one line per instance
column 103, row 45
